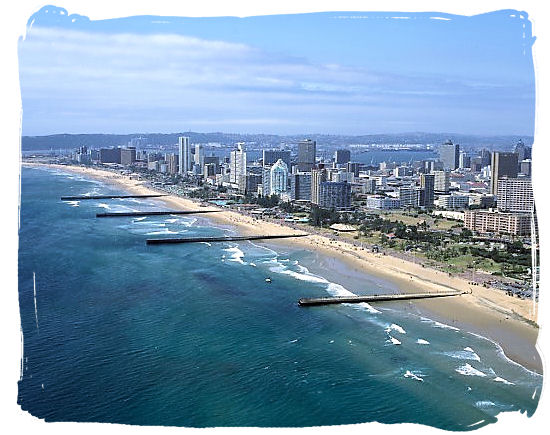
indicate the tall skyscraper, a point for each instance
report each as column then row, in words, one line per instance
column 279, row 178
column 238, row 163
column 334, row 195
column 307, row 151
column 318, row 176
column 427, row 182
column 442, row 181
column 485, row 156
column 342, row 157
column 464, row 160
column 300, row 186
column 185, row 157
column 172, row 161
column 502, row 164
column 199, row 154
column 127, row 156
column 449, row 154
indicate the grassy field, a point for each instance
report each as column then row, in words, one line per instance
column 438, row 223
column 461, row 263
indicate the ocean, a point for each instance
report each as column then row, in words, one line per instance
column 192, row 335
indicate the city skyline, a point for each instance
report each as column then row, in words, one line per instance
column 326, row 73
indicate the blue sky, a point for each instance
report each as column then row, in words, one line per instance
column 332, row 73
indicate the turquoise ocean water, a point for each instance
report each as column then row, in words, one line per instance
column 192, row 335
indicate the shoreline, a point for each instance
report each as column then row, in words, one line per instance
column 504, row 320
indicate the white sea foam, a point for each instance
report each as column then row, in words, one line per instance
column 139, row 219
column 501, row 353
column 188, row 223
column 303, row 274
column 504, row 381
column 466, row 354
column 158, row 233
column 206, row 243
column 468, row 370
column 105, row 206
column 397, row 328
column 271, row 251
column 422, row 341
column 393, row 340
column 438, row 324
column 484, row 404
column 171, row 221
column 73, row 203
column 416, row 377
column 236, row 254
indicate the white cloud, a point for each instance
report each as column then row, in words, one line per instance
column 158, row 76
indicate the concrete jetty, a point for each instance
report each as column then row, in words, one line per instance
column 221, row 239
column 81, row 197
column 376, row 298
column 152, row 213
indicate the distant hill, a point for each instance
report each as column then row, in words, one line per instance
column 70, row 141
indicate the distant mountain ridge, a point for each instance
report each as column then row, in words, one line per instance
column 68, row 141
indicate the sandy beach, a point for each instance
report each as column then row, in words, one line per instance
column 506, row 320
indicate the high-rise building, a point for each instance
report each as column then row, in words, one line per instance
column 525, row 167
column 515, row 194
column 318, row 176
column 269, row 157
column 185, row 157
column 172, row 161
column 209, row 170
column 341, row 157
column 307, row 151
column 449, row 154
column 353, row 168
column 427, row 182
column 109, row 155
column 442, row 181
column 523, row 151
column 334, row 195
column 502, row 165
column 485, row 156
column 279, row 178
column 464, row 160
column 210, row 160
column 199, row 154
column 252, row 183
column 127, row 156
column 433, row 165
column 410, row 196
column 300, row 186
column 237, row 163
